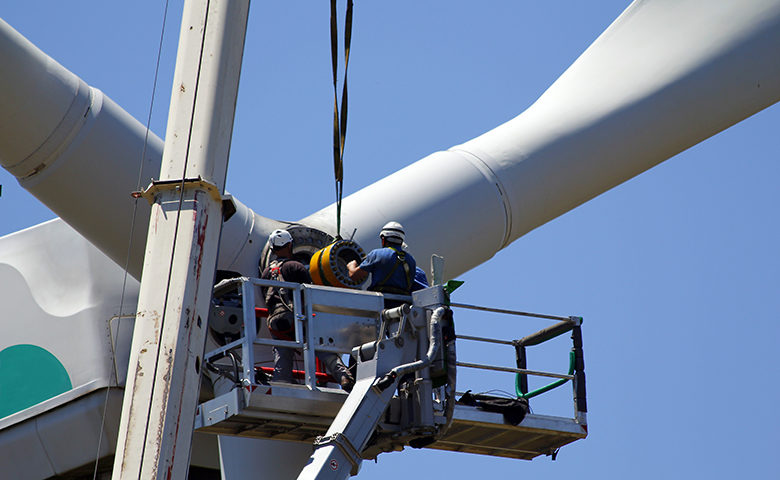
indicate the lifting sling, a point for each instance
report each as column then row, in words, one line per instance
column 339, row 122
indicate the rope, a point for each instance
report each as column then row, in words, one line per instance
column 339, row 121
column 130, row 240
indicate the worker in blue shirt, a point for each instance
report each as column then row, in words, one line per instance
column 392, row 268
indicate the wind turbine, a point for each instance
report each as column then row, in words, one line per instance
column 508, row 290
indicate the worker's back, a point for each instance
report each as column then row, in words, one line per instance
column 392, row 270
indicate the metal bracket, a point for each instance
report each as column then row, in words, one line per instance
column 342, row 442
column 157, row 186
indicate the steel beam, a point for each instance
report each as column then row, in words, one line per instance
column 163, row 379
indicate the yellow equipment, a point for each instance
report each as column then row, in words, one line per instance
column 328, row 266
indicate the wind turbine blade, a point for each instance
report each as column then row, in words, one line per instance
column 79, row 152
column 663, row 77
column 73, row 148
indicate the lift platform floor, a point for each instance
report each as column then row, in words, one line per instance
column 295, row 413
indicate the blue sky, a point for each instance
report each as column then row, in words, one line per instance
column 675, row 271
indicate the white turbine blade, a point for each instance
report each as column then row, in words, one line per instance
column 666, row 75
column 78, row 152
column 663, row 77
column 72, row 147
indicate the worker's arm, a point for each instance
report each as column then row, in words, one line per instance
column 356, row 273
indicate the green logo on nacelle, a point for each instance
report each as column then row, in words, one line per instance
column 29, row 375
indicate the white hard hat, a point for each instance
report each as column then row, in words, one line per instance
column 393, row 230
column 279, row 238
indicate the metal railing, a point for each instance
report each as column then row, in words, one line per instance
column 352, row 318
column 576, row 372
column 305, row 342
column 249, row 338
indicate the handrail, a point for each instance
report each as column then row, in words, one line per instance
column 550, row 332
column 304, row 342
column 483, row 339
column 508, row 312
column 302, row 309
column 514, row 370
column 575, row 373
column 246, row 286
column 545, row 388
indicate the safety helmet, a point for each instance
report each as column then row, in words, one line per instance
column 393, row 231
column 279, row 238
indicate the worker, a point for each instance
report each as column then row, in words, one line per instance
column 392, row 268
column 281, row 319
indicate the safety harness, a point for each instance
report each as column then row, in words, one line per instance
column 279, row 293
column 400, row 259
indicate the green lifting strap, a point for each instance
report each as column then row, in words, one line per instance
column 546, row 388
column 339, row 122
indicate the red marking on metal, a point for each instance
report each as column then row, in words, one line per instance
column 201, row 224
column 200, row 237
column 301, row 374
column 334, row 465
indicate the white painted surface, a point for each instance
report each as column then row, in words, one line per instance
column 663, row 77
column 542, row 149
column 62, row 292
column 164, row 373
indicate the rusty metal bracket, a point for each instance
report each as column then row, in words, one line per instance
column 157, row 186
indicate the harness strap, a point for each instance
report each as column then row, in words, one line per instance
column 279, row 293
column 400, row 259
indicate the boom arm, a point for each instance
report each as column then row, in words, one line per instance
column 381, row 365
